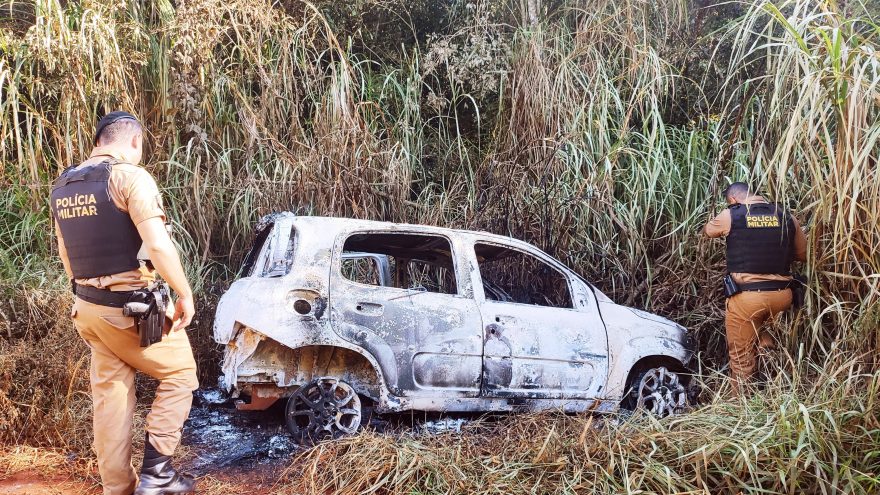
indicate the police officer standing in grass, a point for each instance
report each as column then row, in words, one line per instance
column 762, row 241
column 106, row 210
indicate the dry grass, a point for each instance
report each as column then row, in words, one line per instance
column 787, row 439
column 44, row 375
column 22, row 458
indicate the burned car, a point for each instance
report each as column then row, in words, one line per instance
column 340, row 316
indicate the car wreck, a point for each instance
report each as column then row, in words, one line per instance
column 339, row 316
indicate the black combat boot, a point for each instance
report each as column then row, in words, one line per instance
column 158, row 477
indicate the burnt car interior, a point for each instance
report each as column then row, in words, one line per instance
column 513, row 276
column 415, row 261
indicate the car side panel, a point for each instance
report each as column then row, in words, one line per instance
column 535, row 351
column 540, row 352
column 434, row 339
column 632, row 337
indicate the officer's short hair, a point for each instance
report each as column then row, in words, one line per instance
column 119, row 130
column 737, row 190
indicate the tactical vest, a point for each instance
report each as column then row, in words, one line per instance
column 761, row 239
column 100, row 238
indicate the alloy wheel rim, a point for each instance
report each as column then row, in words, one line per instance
column 324, row 408
column 661, row 393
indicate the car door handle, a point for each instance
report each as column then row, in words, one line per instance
column 369, row 308
column 493, row 329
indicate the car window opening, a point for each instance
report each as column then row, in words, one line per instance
column 250, row 259
column 513, row 276
column 403, row 261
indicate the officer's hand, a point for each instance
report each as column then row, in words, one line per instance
column 184, row 310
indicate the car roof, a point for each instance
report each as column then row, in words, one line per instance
column 341, row 223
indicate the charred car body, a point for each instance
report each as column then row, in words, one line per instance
column 336, row 315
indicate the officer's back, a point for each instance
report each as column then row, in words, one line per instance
column 107, row 210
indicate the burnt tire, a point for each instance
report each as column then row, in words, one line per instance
column 322, row 409
column 659, row 391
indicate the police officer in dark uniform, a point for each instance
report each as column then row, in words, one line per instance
column 763, row 239
column 106, row 210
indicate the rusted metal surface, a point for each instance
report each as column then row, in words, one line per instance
column 262, row 398
column 296, row 317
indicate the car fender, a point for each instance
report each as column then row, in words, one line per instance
column 253, row 304
column 639, row 348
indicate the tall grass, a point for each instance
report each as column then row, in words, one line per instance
column 792, row 439
column 555, row 129
column 817, row 148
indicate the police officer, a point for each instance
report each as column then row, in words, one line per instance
column 105, row 210
column 762, row 241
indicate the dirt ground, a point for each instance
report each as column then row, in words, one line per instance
column 255, row 482
column 230, row 452
column 34, row 483
column 250, row 479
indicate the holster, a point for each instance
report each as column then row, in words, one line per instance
column 150, row 315
column 150, row 327
column 147, row 306
column 798, row 291
column 731, row 288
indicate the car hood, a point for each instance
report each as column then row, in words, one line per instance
column 655, row 318
column 606, row 304
column 630, row 326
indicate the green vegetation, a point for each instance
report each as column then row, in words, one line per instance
column 600, row 130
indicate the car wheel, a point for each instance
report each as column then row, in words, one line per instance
column 658, row 391
column 323, row 408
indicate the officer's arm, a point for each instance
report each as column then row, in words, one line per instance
column 163, row 255
column 718, row 226
column 62, row 252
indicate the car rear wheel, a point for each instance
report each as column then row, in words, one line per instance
column 658, row 391
column 323, row 408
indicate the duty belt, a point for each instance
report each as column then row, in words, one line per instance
column 768, row 285
column 146, row 306
column 114, row 299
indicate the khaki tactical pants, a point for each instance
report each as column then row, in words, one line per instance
column 116, row 354
column 746, row 313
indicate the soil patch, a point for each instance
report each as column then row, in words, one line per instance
column 35, row 483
